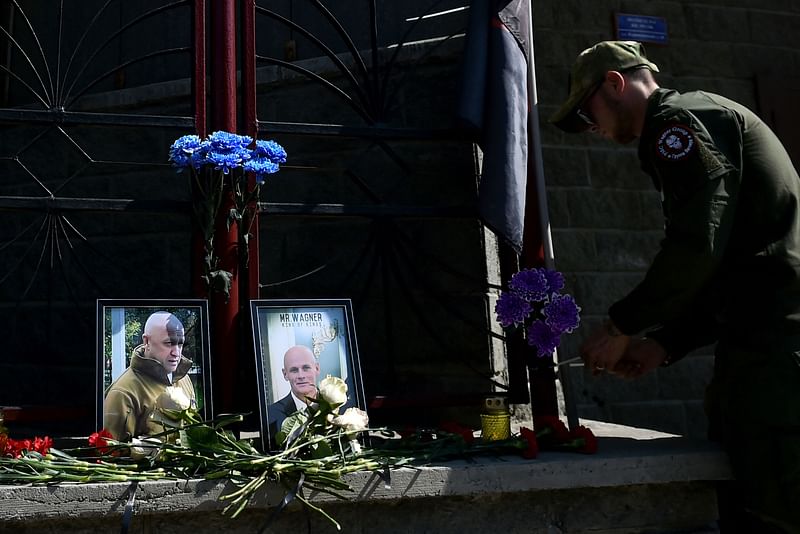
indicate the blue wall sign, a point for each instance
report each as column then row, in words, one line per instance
column 642, row 28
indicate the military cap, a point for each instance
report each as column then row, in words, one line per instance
column 589, row 71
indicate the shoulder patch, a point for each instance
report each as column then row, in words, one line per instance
column 676, row 142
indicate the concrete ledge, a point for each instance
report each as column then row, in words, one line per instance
column 623, row 462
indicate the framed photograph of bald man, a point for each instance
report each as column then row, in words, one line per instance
column 297, row 344
column 150, row 352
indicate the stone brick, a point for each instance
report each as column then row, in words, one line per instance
column 592, row 208
column 749, row 60
column 717, row 2
column 774, row 5
column 552, row 84
column 585, row 16
column 565, row 167
column 775, row 28
column 717, row 58
column 626, row 251
column 715, row 23
column 544, row 14
column 617, row 169
column 558, row 207
column 574, row 250
column 597, row 291
column 557, row 48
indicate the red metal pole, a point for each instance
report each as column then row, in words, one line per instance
column 250, row 127
column 249, row 279
column 224, row 312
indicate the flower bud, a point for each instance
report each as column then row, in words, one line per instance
column 334, row 390
column 142, row 448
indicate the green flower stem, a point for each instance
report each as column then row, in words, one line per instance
column 320, row 510
column 205, row 449
column 254, row 483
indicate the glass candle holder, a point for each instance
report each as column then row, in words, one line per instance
column 495, row 419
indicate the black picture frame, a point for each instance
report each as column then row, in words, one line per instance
column 119, row 331
column 279, row 324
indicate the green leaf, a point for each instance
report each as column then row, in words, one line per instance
column 321, row 450
column 200, row 437
column 226, row 419
column 280, row 437
column 293, row 425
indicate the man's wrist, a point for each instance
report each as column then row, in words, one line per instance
column 670, row 355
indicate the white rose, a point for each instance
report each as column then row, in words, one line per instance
column 333, row 390
column 352, row 420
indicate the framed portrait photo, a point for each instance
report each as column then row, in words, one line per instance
column 144, row 347
column 297, row 344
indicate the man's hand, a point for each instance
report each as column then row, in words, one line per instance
column 604, row 348
column 643, row 355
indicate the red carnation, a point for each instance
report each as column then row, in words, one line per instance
column 20, row 446
column 551, row 428
column 532, row 451
column 42, row 445
column 454, row 428
column 584, row 439
column 15, row 448
column 99, row 440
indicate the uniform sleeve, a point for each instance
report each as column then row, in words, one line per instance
column 119, row 415
column 700, row 186
column 694, row 328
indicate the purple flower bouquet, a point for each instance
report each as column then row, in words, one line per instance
column 534, row 299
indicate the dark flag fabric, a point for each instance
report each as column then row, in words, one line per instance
column 495, row 102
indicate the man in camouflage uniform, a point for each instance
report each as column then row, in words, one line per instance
column 728, row 269
column 132, row 407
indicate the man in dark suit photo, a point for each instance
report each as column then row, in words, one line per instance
column 301, row 370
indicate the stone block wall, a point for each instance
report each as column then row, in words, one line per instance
column 605, row 215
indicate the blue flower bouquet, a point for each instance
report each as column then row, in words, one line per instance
column 219, row 163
